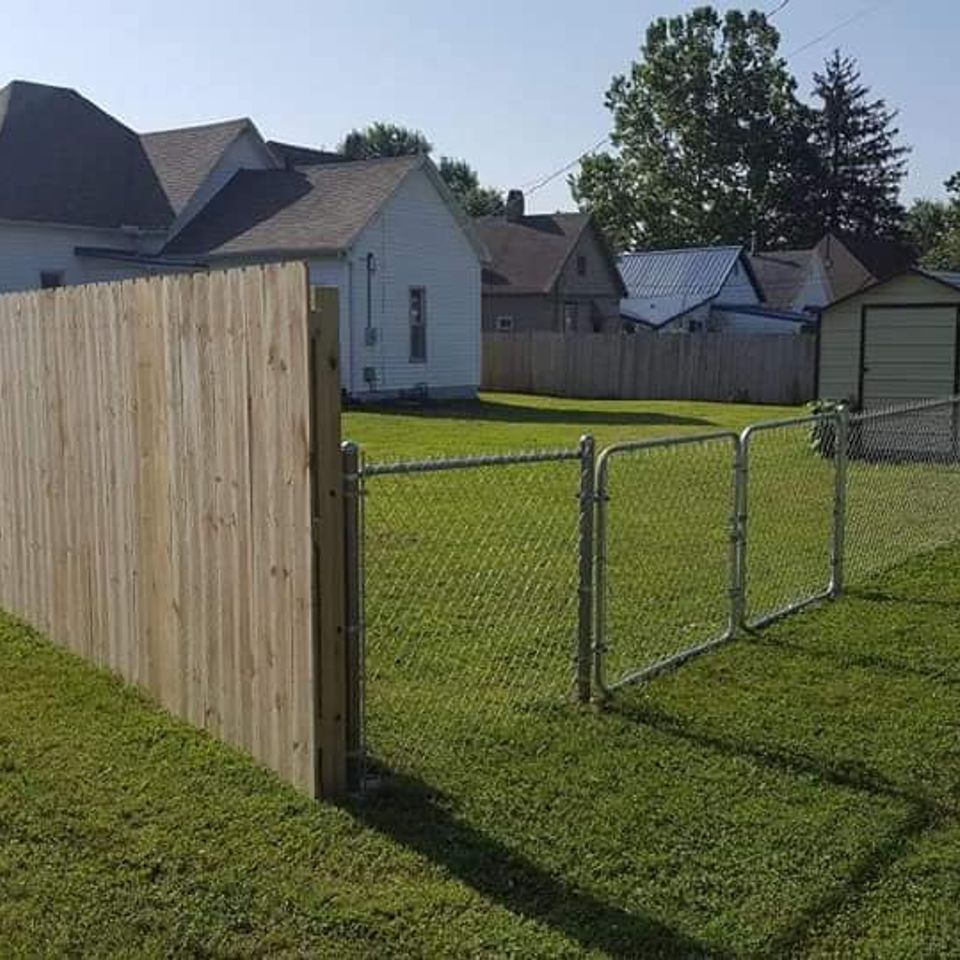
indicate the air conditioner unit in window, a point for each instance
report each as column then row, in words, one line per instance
column 370, row 336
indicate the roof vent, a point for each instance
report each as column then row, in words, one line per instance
column 515, row 205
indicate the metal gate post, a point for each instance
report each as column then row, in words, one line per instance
column 353, row 582
column 587, row 451
column 837, row 545
column 738, row 573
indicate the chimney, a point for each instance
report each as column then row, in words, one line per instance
column 514, row 210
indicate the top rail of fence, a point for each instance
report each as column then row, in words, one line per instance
column 465, row 463
column 919, row 407
column 630, row 446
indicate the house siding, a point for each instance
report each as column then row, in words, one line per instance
column 840, row 325
column 26, row 249
column 596, row 295
column 417, row 242
column 738, row 289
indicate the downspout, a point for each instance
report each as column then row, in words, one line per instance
column 351, row 374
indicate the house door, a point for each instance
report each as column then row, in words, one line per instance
column 909, row 354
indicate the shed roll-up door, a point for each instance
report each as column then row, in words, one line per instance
column 909, row 354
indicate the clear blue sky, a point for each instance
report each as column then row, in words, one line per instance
column 516, row 88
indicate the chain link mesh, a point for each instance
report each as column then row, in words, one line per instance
column 666, row 557
column 903, row 486
column 471, row 587
column 791, row 485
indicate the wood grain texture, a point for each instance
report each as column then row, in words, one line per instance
column 756, row 367
column 156, row 495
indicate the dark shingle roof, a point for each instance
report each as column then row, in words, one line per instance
column 293, row 155
column 63, row 160
column 527, row 255
column 781, row 275
column 184, row 157
column 318, row 208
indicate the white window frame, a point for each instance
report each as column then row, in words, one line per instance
column 504, row 323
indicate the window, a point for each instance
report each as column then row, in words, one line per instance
column 418, row 325
column 582, row 266
column 570, row 311
column 50, row 279
column 505, row 324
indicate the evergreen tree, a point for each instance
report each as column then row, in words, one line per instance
column 862, row 163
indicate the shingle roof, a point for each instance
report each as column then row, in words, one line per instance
column 527, row 255
column 64, row 160
column 294, row 155
column 184, row 157
column 781, row 275
column 318, row 208
column 662, row 284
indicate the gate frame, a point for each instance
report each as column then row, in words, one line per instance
column 736, row 521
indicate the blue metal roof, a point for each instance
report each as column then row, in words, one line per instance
column 663, row 284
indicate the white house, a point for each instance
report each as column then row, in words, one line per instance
column 83, row 199
column 699, row 289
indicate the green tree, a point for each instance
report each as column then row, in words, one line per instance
column 383, row 140
column 464, row 184
column 862, row 163
column 933, row 227
column 392, row 140
column 711, row 143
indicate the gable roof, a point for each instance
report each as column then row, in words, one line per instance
column 317, row 209
column 528, row 254
column 64, row 160
column 663, row 284
column 781, row 275
column 184, row 157
column 944, row 278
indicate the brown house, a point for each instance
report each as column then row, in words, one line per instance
column 548, row 272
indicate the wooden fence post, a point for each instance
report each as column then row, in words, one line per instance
column 329, row 635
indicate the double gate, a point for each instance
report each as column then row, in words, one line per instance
column 485, row 587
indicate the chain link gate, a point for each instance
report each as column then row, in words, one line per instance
column 666, row 570
column 473, row 584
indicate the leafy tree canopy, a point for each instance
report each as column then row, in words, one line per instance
column 392, row 140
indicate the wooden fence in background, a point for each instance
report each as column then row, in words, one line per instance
column 709, row 366
column 163, row 446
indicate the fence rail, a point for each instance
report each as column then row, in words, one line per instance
column 710, row 366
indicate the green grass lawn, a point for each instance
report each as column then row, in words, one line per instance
column 796, row 793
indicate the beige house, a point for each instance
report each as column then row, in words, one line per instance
column 547, row 272
column 893, row 342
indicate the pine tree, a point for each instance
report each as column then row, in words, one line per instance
column 862, row 165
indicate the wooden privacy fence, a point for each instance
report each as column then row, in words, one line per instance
column 165, row 446
column 709, row 366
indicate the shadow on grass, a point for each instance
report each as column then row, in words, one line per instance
column 411, row 813
column 515, row 413
column 923, row 816
column 909, row 600
column 860, row 661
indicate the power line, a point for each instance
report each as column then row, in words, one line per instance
column 860, row 14
column 536, row 184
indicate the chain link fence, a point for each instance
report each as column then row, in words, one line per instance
column 483, row 588
column 471, row 602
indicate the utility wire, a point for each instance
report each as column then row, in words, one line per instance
column 859, row 15
column 534, row 185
